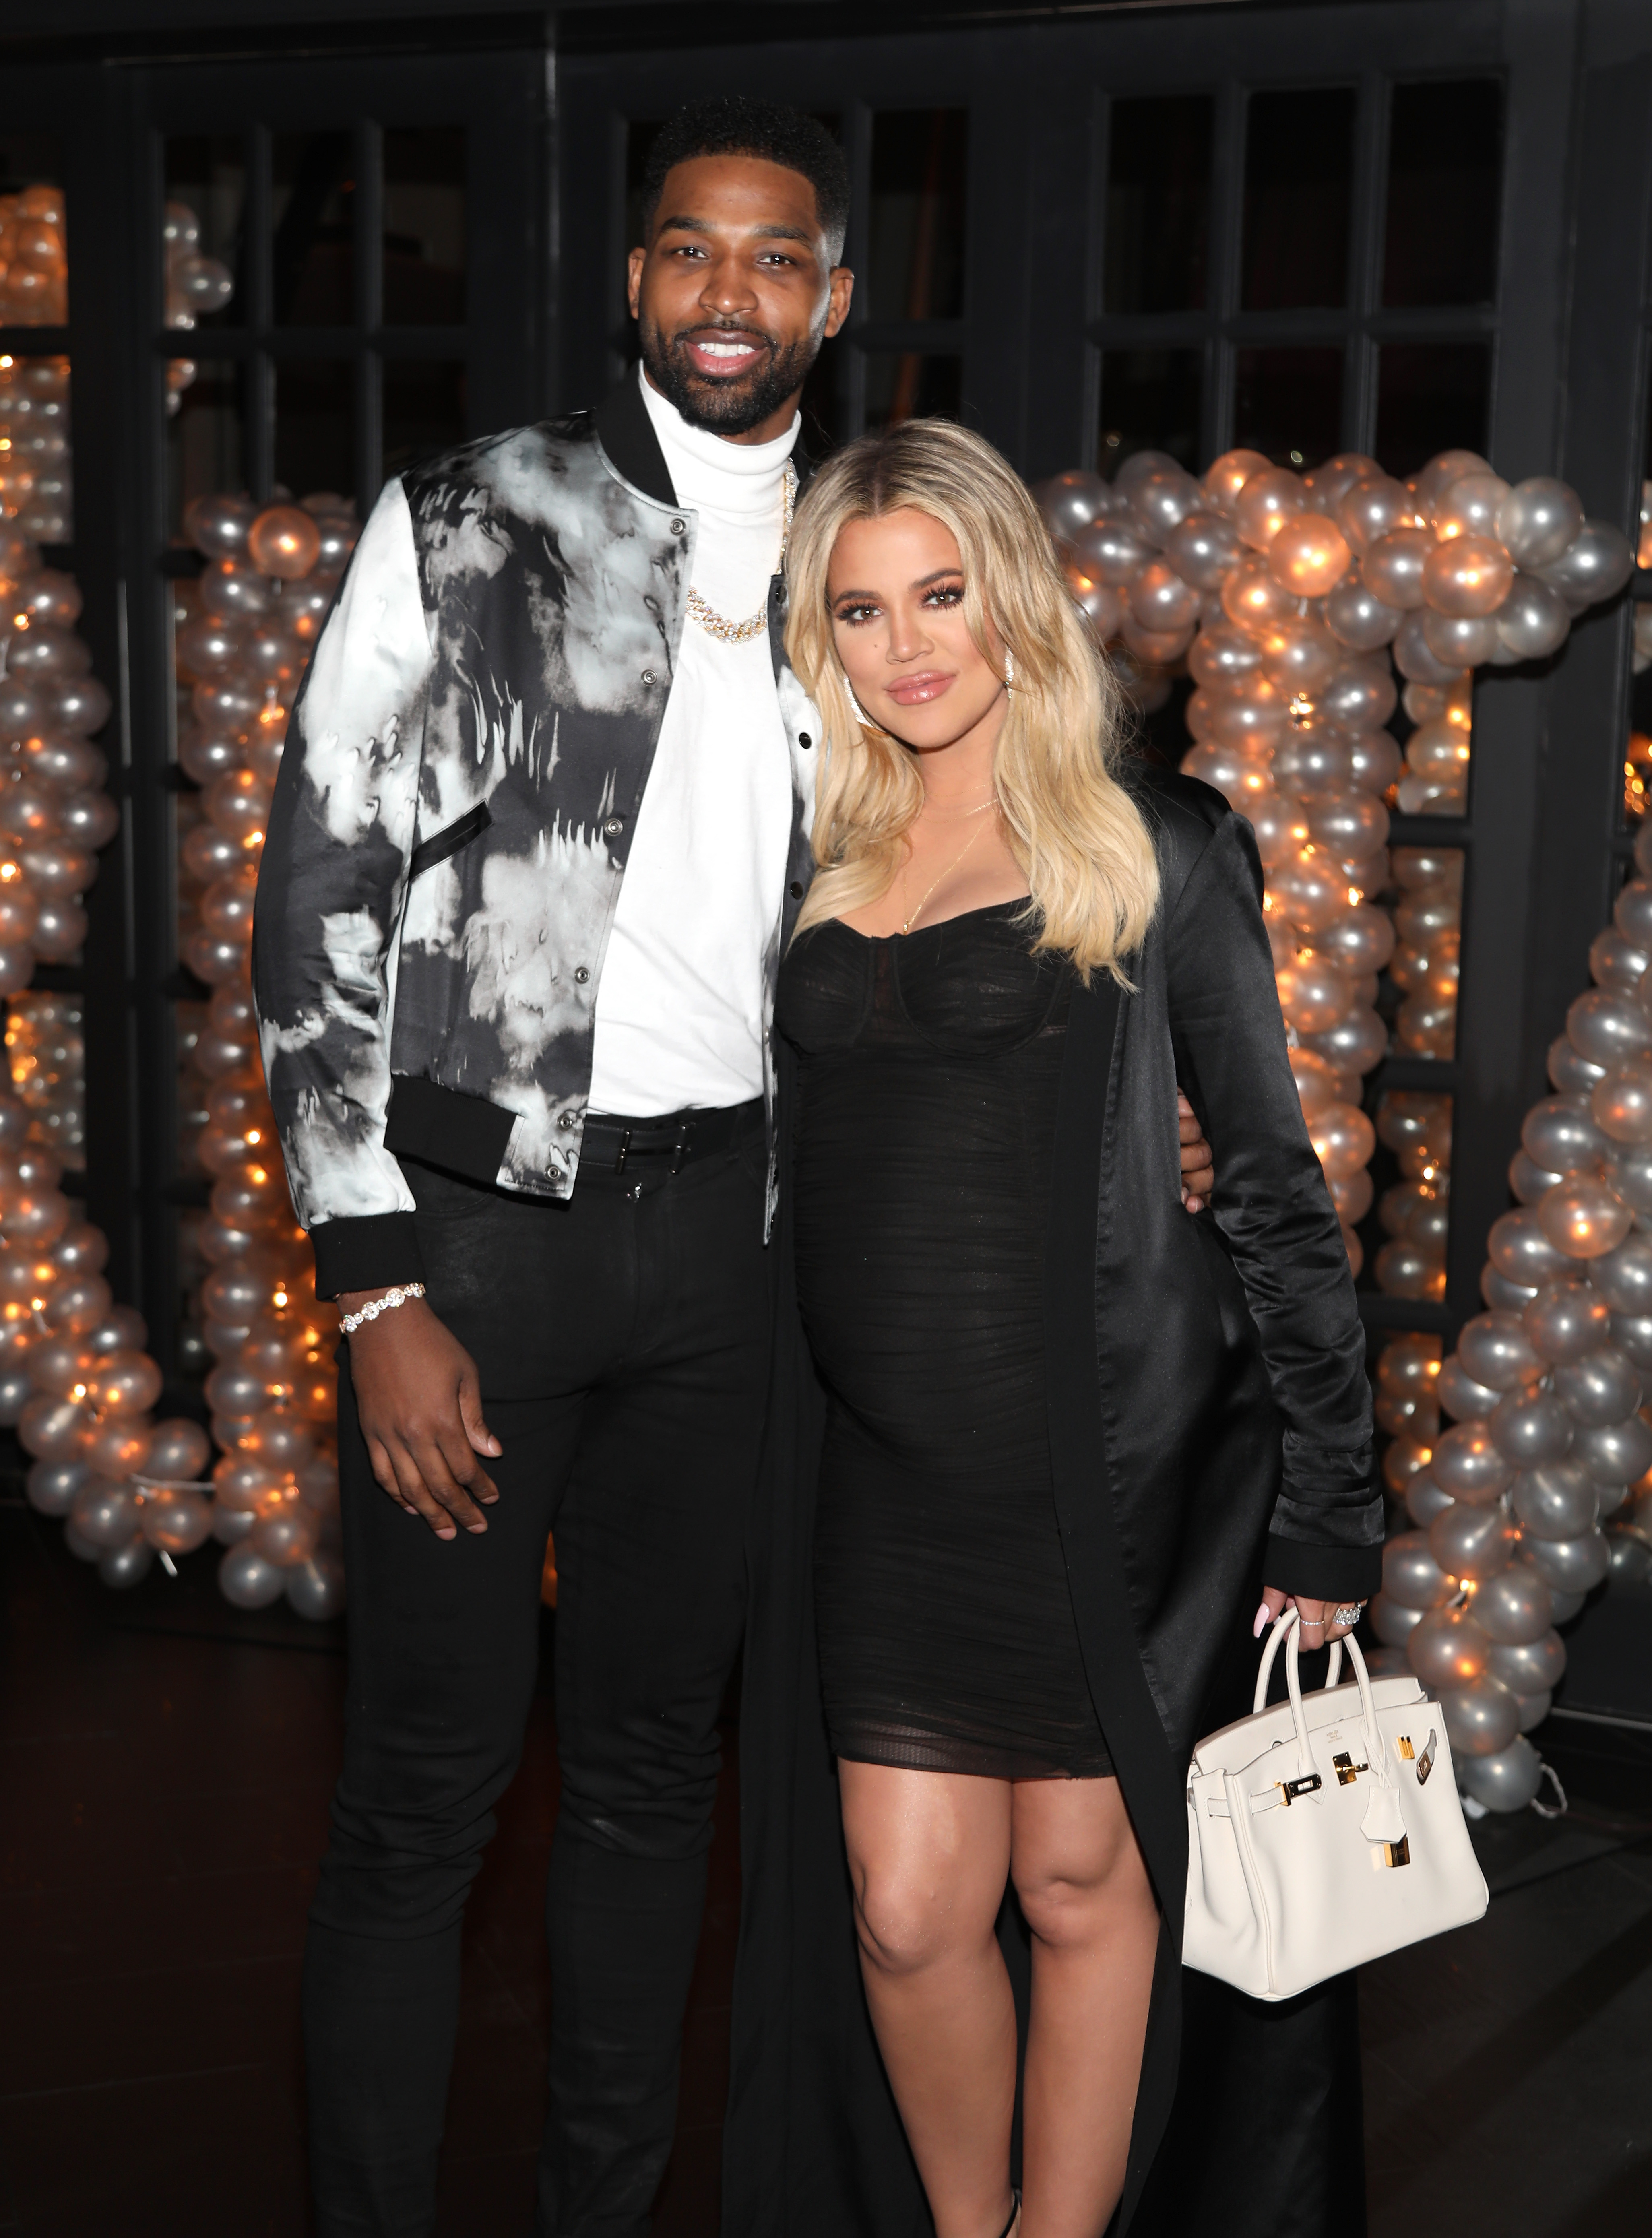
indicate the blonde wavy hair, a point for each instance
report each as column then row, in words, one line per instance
column 1076, row 834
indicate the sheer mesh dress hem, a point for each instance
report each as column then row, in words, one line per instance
column 913, row 1748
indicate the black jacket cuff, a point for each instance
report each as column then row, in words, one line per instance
column 1322, row 1573
column 372, row 1253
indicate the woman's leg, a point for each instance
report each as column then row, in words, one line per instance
column 929, row 1856
column 1088, row 1901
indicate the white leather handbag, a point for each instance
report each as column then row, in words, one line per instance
column 1323, row 1831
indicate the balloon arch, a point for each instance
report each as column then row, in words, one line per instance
column 1292, row 599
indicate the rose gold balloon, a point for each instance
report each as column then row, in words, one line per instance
column 203, row 755
column 242, row 1482
column 1392, row 567
column 1266, row 502
column 62, row 1365
column 1313, row 995
column 1468, row 575
column 66, row 765
column 118, row 1447
column 304, row 607
column 1227, row 476
column 34, row 1219
column 56, row 867
column 1299, row 654
column 238, row 805
column 1344, row 1139
column 128, row 1383
column 1222, row 652
column 226, row 908
column 207, row 854
column 1255, row 718
column 81, row 1250
column 283, row 540
column 19, row 912
column 1308, row 555
column 213, row 960
column 76, row 1306
column 218, row 526
column 60, row 930
column 1252, row 599
column 232, row 591
column 1311, row 891
column 79, row 706
column 1584, row 1217
column 178, row 1449
column 53, row 1429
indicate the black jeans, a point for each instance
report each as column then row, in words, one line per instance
column 623, row 1344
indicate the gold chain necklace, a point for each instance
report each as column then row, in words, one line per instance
column 951, row 867
column 710, row 620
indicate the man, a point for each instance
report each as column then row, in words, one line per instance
column 540, row 839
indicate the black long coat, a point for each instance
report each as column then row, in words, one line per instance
column 1210, row 1425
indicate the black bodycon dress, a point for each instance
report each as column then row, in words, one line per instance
column 926, row 1125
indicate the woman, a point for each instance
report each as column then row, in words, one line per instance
column 1063, row 1417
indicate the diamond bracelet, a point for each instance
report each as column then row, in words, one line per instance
column 370, row 1312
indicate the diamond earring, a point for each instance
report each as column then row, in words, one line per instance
column 860, row 714
column 1009, row 669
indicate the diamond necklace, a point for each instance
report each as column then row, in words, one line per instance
column 710, row 620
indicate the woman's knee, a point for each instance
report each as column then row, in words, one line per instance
column 1070, row 1899
column 908, row 1921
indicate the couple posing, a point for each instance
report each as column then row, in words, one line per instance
column 729, row 1023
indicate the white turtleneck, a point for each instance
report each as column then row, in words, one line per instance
column 679, row 1011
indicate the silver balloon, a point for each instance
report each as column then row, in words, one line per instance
column 1414, row 657
column 1359, row 620
column 1480, row 1717
column 1410, row 1574
column 1623, row 1277
column 1611, row 1498
column 1628, row 1171
column 231, row 1524
column 83, row 1548
column 1534, row 620
column 1555, row 1502
column 1391, row 1621
column 1594, row 568
column 1529, row 1427
column 1111, row 551
column 1521, row 1252
column 1530, row 1181
column 1575, row 1566
column 1568, row 1601
column 249, row 1581
column 1571, row 1074
column 15, row 1391
column 1464, row 1399
column 1506, row 1780
column 1447, row 1648
column 1614, row 1452
column 1472, row 1543
column 1616, row 962
column 177, row 1522
column 1424, row 1500
column 1460, row 640
column 1566, row 1320
column 1608, row 1026
column 1515, row 1606
column 1559, row 1134
column 105, row 1514
column 1494, row 1347
column 1202, row 549
column 315, row 1588
column 1602, row 1387
column 1537, row 521
column 1469, row 1465
column 1502, row 1295
column 1533, row 1708
column 124, row 1566
column 1071, row 501
column 1535, row 1667
column 50, row 1486
column 1631, row 1558
column 1632, row 916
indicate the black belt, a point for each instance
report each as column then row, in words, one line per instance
column 611, row 1142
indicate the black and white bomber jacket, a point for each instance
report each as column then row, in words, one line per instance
column 463, row 770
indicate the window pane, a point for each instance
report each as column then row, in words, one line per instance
column 424, row 411
column 207, row 177
column 1298, row 193
column 1445, row 148
column 204, row 451
column 901, row 385
column 312, row 247
column 1288, row 403
column 34, row 256
column 1158, row 203
column 1431, row 396
column 36, row 493
column 823, row 428
column 916, row 236
column 639, row 136
column 424, row 228
column 315, row 425
column 1151, row 401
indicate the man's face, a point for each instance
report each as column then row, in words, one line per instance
column 734, row 293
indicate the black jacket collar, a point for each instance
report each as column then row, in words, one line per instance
column 626, row 434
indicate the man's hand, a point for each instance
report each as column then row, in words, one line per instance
column 1313, row 1617
column 418, row 1400
column 1198, row 1170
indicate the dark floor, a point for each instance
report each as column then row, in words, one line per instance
column 164, row 1769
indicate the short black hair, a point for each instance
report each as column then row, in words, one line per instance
column 729, row 124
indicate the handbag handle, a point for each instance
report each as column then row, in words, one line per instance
column 1281, row 1624
column 1375, row 1756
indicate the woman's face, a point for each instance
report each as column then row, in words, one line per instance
column 896, row 588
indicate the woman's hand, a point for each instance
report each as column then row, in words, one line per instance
column 1198, row 1172
column 1316, row 1619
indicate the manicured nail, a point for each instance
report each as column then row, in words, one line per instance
column 1261, row 1623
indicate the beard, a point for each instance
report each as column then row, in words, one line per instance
column 735, row 404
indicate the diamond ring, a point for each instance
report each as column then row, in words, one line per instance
column 1348, row 1614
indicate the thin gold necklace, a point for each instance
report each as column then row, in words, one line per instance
column 951, row 867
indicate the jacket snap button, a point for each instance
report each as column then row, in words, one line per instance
column 803, row 739
column 796, row 889
column 676, row 528
column 613, row 827
column 582, row 974
column 648, row 676
column 565, row 1120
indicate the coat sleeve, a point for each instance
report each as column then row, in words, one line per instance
column 1275, row 1212
column 330, row 888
